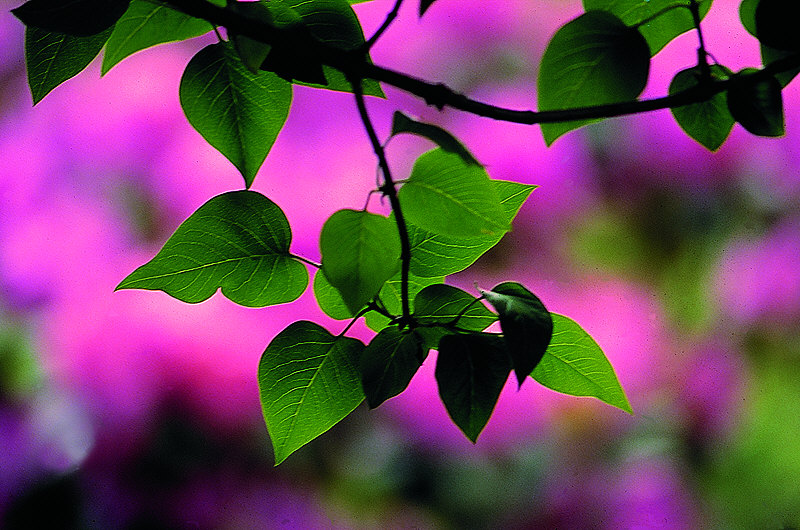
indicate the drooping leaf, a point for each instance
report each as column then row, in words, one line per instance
column 308, row 382
column 450, row 307
column 471, row 370
column 593, row 60
column 239, row 113
column 75, row 17
column 527, row 326
column 52, row 58
column 403, row 124
column 447, row 196
column 757, row 105
column 391, row 298
column 389, row 362
column 708, row 122
column 659, row 21
column 437, row 255
column 574, row 364
column 360, row 251
column 147, row 24
column 237, row 241
column 776, row 24
column 424, row 5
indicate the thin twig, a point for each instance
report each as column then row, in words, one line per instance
column 386, row 23
column 306, row 260
column 390, row 191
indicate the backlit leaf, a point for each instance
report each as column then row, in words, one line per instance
column 708, row 122
column 574, row 364
column 238, row 112
column 237, row 241
column 471, row 370
column 147, row 24
column 593, row 60
column 389, row 362
column 52, row 58
column 360, row 251
column 403, row 124
column 447, row 196
column 436, row 255
column 526, row 324
column 308, row 382
column 451, row 307
column 391, row 297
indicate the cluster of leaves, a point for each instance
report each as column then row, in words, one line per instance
column 391, row 270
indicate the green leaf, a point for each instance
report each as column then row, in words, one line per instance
column 450, row 307
column 403, row 124
column 776, row 24
column 435, row 255
column 308, row 382
column 237, row 241
column 239, row 113
column 447, row 196
column 471, row 371
column 252, row 52
column 574, row 364
column 332, row 22
column 708, row 122
column 360, row 251
column 75, row 17
column 52, row 58
column 770, row 55
column 747, row 14
column 391, row 298
column 757, row 105
column 659, row 21
column 593, row 60
column 147, row 24
column 526, row 324
column 389, row 362
column 329, row 299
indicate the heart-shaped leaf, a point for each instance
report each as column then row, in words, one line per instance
column 708, row 122
column 308, row 382
column 237, row 241
column 389, row 362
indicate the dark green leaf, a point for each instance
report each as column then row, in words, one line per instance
column 747, row 14
column 776, row 24
column 308, row 382
column 252, row 52
column 389, row 362
column 424, row 5
column 332, row 22
column 574, row 364
column 237, row 112
column 770, row 55
column 757, row 105
column 659, row 21
column 403, row 124
column 147, row 24
column 52, row 58
column 593, row 60
column 709, row 122
column 237, row 241
column 471, row 370
column 447, row 196
column 526, row 324
column 450, row 307
column 360, row 251
column 437, row 255
column 391, row 298
column 75, row 17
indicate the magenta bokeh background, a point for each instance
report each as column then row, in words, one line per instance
column 97, row 176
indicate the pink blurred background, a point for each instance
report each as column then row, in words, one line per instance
column 135, row 410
